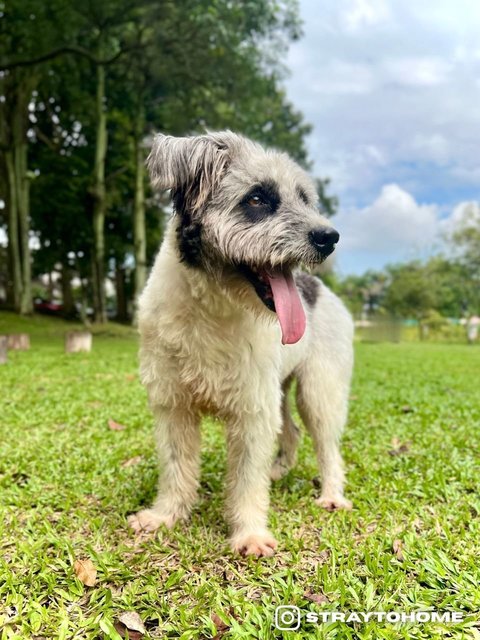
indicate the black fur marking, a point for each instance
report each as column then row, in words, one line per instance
column 190, row 243
column 269, row 200
column 302, row 195
column 189, row 233
column 263, row 291
column 309, row 287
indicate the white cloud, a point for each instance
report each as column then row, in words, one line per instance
column 395, row 228
column 464, row 215
column 359, row 14
column 393, row 223
column 339, row 77
column 417, row 71
column 433, row 147
column 467, row 175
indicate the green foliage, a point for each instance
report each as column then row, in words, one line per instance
column 178, row 67
column 439, row 287
column 467, row 239
column 409, row 293
column 411, row 460
column 363, row 293
column 328, row 203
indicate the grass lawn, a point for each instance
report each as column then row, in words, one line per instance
column 412, row 451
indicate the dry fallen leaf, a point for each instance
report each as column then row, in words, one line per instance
column 317, row 598
column 417, row 524
column 130, row 621
column 407, row 409
column 398, row 549
column 398, row 447
column 323, row 556
column 131, row 461
column 85, row 571
column 221, row 626
column 115, row 426
column 371, row 526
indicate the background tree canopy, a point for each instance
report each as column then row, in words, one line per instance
column 84, row 85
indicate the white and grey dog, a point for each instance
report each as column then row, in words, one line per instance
column 227, row 321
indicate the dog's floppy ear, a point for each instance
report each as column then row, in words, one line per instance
column 191, row 165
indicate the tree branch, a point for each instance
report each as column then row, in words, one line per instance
column 75, row 49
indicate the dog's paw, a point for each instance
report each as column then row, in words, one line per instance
column 280, row 468
column 261, row 545
column 148, row 521
column 334, row 503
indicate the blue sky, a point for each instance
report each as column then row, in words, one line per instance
column 392, row 89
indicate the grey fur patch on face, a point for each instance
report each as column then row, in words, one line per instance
column 309, row 287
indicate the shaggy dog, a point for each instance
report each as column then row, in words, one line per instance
column 227, row 321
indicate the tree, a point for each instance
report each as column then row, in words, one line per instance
column 26, row 28
column 466, row 238
column 328, row 204
column 410, row 293
column 94, row 82
column 202, row 66
column 363, row 293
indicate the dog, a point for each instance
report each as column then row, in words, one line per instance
column 227, row 321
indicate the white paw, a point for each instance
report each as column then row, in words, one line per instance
column 149, row 520
column 257, row 544
column 333, row 503
column 279, row 469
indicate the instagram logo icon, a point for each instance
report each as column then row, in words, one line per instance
column 287, row 618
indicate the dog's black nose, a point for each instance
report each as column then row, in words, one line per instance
column 324, row 240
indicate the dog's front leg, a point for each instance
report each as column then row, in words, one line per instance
column 251, row 443
column 178, row 443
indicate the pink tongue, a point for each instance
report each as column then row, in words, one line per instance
column 288, row 307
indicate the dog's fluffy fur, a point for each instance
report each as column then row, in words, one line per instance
column 211, row 341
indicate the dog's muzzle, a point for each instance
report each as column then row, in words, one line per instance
column 324, row 240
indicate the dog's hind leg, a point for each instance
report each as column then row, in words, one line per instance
column 178, row 443
column 322, row 400
column 288, row 439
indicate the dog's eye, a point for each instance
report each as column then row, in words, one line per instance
column 255, row 201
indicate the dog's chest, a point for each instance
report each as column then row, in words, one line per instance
column 221, row 360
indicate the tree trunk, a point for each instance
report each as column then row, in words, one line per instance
column 23, row 208
column 122, row 311
column 67, row 293
column 17, row 93
column 13, row 244
column 139, row 230
column 50, row 285
column 99, row 202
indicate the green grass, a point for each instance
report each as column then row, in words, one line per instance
column 66, row 492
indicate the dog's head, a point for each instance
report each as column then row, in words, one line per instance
column 246, row 215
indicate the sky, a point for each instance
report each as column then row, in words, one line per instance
column 392, row 89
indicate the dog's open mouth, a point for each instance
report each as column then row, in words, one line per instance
column 277, row 290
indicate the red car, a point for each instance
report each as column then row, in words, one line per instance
column 47, row 307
